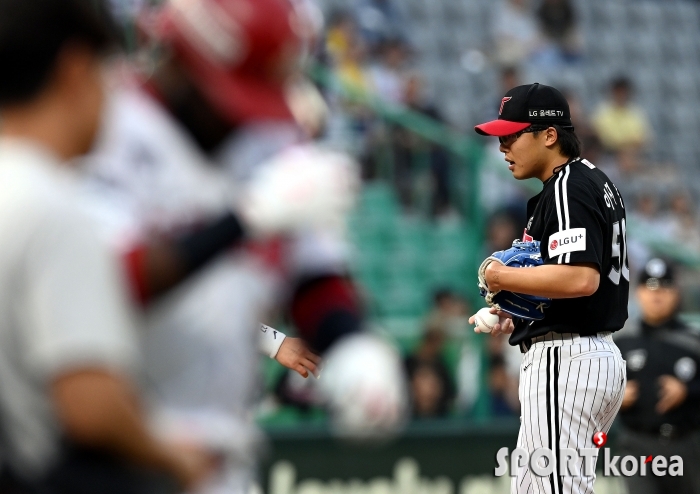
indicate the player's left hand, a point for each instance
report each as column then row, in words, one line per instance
column 295, row 355
column 672, row 393
column 504, row 326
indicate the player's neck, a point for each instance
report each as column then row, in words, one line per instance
column 43, row 125
column 552, row 163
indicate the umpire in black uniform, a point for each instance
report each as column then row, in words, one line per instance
column 661, row 405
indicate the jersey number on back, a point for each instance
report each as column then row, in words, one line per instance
column 614, row 274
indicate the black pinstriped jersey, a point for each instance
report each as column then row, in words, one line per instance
column 579, row 217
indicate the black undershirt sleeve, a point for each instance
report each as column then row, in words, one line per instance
column 198, row 248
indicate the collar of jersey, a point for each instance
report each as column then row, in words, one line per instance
column 561, row 169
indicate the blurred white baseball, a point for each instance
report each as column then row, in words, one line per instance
column 485, row 321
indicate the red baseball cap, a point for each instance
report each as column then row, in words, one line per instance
column 531, row 104
column 240, row 53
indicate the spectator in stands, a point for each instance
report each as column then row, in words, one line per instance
column 387, row 76
column 404, row 146
column 341, row 33
column 503, row 227
column 440, row 169
column 428, row 391
column 559, row 26
column 508, row 78
column 347, row 124
column 620, row 124
column 448, row 312
column 623, row 168
column 646, row 217
column 347, row 51
column 411, row 153
column 515, row 32
column 683, row 221
column 624, row 133
column 503, row 388
column 449, row 318
column 579, row 117
column 431, row 385
column 351, row 67
column 502, row 376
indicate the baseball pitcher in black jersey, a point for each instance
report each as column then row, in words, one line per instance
column 572, row 376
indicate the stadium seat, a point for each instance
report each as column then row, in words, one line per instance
column 645, row 49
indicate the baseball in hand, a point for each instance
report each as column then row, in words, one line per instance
column 485, row 321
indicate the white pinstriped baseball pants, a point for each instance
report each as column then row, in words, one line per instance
column 570, row 387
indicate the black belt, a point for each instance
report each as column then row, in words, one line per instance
column 527, row 343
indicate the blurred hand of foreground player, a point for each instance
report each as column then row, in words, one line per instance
column 672, row 393
column 505, row 323
column 295, row 355
column 99, row 409
column 192, row 465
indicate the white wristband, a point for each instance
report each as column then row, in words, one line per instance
column 270, row 340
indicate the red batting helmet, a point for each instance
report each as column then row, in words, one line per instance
column 240, row 53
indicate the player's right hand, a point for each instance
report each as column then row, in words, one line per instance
column 505, row 322
column 295, row 355
column 304, row 187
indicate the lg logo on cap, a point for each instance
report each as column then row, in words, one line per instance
column 503, row 102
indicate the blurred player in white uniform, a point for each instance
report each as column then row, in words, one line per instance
column 174, row 217
column 71, row 417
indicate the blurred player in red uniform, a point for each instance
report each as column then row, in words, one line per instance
column 175, row 216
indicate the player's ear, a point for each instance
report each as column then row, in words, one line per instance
column 551, row 137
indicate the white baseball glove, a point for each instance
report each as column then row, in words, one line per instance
column 303, row 187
